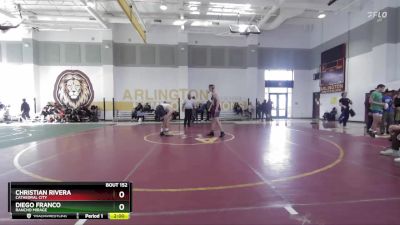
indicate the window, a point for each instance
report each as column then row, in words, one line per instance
column 278, row 75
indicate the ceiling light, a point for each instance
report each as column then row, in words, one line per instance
column 91, row 4
column 195, row 13
column 193, row 8
column 321, row 15
column 194, row 3
column 179, row 22
column 182, row 27
column 163, row 6
column 221, row 14
column 243, row 27
column 230, row 5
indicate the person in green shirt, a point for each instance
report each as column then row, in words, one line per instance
column 376, row 106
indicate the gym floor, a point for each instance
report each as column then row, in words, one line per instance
column 284, row 172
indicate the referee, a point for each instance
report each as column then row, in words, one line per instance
column 188, row 106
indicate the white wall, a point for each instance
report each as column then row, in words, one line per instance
column 231, row 84
column 336, row 24
column 73, row 36
column 215, row 40
column 125, row 33
column 144, row 84
column 286, row 36
column 302, row 94
column 17, row 83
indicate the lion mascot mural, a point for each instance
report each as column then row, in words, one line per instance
column 73, row 89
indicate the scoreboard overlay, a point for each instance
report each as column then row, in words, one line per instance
column 70, row 200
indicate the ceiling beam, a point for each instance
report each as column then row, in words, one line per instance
column 94, row 14
column 134, row 18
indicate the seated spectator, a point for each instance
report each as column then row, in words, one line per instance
column 237, row 108
column 331, row 116
column 137, row 109
column 94, row 111
column 147, row 108
column 393, row 150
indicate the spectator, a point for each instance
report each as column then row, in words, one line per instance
column 237, row 108
column 25, row 109
column 147, row 108
column 388, row 114
column 251, row 110
column 269, row 109
column 258, row 109
column 377, row 105
column 137, row 109
column 369, row 113
column 264, row 108
column 330, row 116
column 394, row 131
column 396, row 105
column 194, row 113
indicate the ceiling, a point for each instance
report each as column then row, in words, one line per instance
column 204, row 14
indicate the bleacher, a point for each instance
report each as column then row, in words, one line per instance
column 127, row 116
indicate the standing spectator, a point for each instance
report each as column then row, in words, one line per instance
column 344, row 104
column 264, row 109
column 200, row 110
column 258, row 110
column 25, row 109
column 388, row 114
column 194, row 111
column 269, row 109
column 369, row 113
column 396, row 106
column 250, row 110
column 377, row 106
column 187, row 106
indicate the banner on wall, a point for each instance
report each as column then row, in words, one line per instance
column 73, row 89
column 333, row 64
column 332, row 77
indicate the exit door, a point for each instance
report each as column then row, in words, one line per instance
column 279, row 105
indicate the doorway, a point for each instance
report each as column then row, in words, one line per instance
column 279, row 105
column 316, row 105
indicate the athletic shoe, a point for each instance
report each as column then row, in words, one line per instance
column 211, row 134
column 388, row 152
column 396, row 154
column 397, row 160
column 222, row 134
column 372, row 134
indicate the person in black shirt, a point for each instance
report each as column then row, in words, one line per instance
column 25, row 109
column 396, row 104
column 344, row 103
